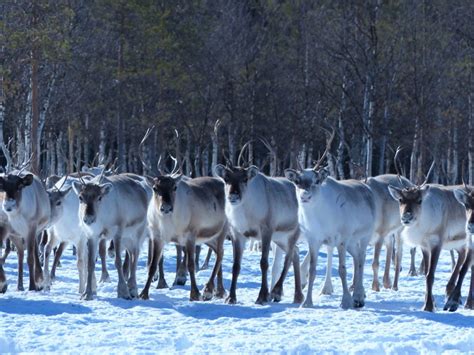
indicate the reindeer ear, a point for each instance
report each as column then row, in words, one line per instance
column 292, row 175
column 27, row 180
column 395, row 192
column 220, row 171
column 461, row 196
column 77, row 187
column 425, row 189
column 106, row 188
column 66, row 191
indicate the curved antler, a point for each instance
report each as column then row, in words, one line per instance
column 241, row 154
column 397, row 168
column 140, row 147
column 429, row 173
column 328, row 147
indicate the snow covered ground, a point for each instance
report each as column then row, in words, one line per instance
column 391, row 322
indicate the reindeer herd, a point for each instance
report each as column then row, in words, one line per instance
column 87, row 209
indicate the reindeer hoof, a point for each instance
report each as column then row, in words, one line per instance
column 469, row 304
column 144, row 295
column 162, row 284
column 195, row 296
column 204, row 267
column 3, row 287
column 375, row 286
column 359, row 303
column 104, row 278
column 412, row 273
column 20, row 288
column 451, row 305
column 219, row 293
column 231, row 300
column 327, row 291
column 263, row 298
column 87, row 296
column 179, row 281
column 307, row 304
column 387, row 285
column 298, row 298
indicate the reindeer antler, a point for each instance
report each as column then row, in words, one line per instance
column 328, row 147
column 140, row 146
column 241, row 154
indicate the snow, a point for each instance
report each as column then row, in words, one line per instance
column 391, row 322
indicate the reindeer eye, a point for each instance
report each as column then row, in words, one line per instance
column 58, row 203
column 418, row 202
column 81, row 198
column 175, row 188
column 100, row 198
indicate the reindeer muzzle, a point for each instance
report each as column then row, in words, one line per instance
column 165, row 208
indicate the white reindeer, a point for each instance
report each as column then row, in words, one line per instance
column 340, row 214
column 188, row 212
column 115, row 208
column 433, row 220
column 66, row 229
column 26, row 205
column 264, row 208
column 466, row 198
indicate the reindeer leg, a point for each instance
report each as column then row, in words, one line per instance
column 37, row 268
column 122, row 288
column 161, row 277
column 31, row 260
column 238, row 244
column 387, row 283
column 470, row 298
column 196, row 257
column 454, row 298
column 412, row 271
column 218, row 247
column 51, row 241
column 21, row 256
column 104, row 277
column 190, row 250
column 132, row 280
column 81, row 264
column 305, row 270
column 433, row 261
column 57, row 257
column 327, row 288
column 264, row 296
column 359, row 262
column 205, row 266
column 398, row 260
column 375, row 264
column 157, row 249
column 126, row 264
column 181, row 262
column 454, row 275
column 276, row 267
column 298, row 297
column 277, row 291
column 91, row 254
column 453, row 259
column 346, row 302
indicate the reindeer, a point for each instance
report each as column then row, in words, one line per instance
column 432, row 219
column 465, row 197
column 323, row 202
column 65, row 229
column 188, row 212
column 113, row 208
column 27, row 207
column 264, row 208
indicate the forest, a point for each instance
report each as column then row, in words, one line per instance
column 82, row 81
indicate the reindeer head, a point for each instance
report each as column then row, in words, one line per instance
column 90, row 197
column 236, row 179
column 56, row 200
column 13, row 185
column 308, row 181
column 164, row 189
column 410, row 197
column 410, row 200
column 466, row 198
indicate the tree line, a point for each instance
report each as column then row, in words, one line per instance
column 81, row 81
